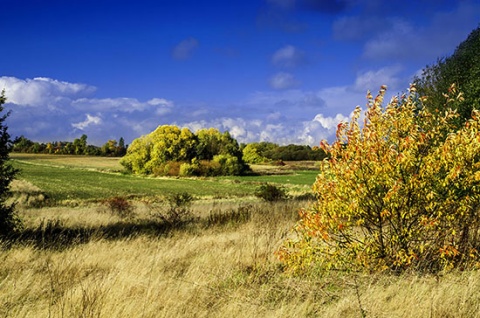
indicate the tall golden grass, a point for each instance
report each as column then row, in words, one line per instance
column 205, row 270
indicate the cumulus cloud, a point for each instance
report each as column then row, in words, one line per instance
column 184, row 50
column 288, row 56
column 45, row 109
column 282, row 116
column 91, row 120
column 373, row 79
column 283, row 80
column 41, row 91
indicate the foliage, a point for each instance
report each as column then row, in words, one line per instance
column 170, row 150
column 271, row 193
column 178, row 210
column 265, row 152
column 9, row 220
column 120, row 206
column 401, row 191
column 251, row 154
column 79, row 146
column 462, row 68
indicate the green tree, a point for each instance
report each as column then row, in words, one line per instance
column 170, row 150
column 9, row 221
column 400, row 190
column 121, row 148
column 251, row 154
column 80, row 145
column 109, row 149
column 462, row 68
column 165, row 144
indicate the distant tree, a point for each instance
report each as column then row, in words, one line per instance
column 109, row 148
column 121, row 149
column 22, row 144
column 80, row 145
column 462, row 69
column 9, row 221
column 251, row 154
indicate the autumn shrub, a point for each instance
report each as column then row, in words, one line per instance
column 400, row 191
column 167, row 169
column 120, row 206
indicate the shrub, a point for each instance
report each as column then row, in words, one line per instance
column 120, row 206
column 188, row 169
column 271, row 193
column 401, row 191
column 178, row 209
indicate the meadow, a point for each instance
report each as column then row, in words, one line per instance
column 78, row 258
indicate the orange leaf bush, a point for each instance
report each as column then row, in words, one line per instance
column 400, row 191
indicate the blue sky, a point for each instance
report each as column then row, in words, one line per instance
column 285, row 71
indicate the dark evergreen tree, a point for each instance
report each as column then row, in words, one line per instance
column 9, row 221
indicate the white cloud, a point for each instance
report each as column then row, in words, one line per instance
column 330, row 123
column 283, row 80
column 42, row 91
column 284, row 116
column 288, row 56
column 373, row 79
column 185, row 49
column 160, row 102
column 91, row 120
column 45, row 109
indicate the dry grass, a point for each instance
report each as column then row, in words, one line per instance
column 225, row 270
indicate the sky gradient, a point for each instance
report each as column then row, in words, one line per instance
column 285, row 71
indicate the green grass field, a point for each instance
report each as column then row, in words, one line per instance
column 64, row 178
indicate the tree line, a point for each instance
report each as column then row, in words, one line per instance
column 79, row 146
column 253, row 153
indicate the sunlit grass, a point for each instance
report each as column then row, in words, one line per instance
column 86, row 261
column 198, row 271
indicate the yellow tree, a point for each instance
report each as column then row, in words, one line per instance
column 399, row 191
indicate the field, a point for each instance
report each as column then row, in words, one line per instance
column 78, row 259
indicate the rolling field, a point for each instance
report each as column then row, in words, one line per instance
column 82, row 260
column 67, row 178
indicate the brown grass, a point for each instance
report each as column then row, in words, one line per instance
column 225, row 270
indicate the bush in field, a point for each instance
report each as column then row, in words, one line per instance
column 171, row 151
column 178, row 209
column 147, row 154
column 9, row 220
column 120, row 206
column 271, row 193
column 400, row 191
